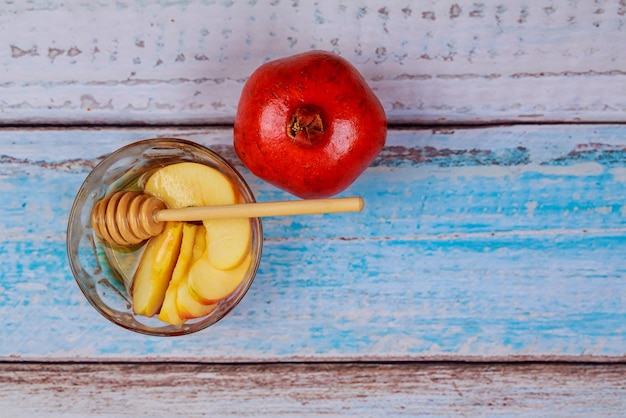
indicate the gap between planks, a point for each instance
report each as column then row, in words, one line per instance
column 469, row 361
column 434, row 125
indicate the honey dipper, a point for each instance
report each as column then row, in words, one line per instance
column 127, row 218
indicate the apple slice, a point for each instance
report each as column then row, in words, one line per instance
column 228, row 241
column 199, row 246
column 169, row 310
column 191, row 184
column 155, row 269
column 187, row 306
column 208, row 284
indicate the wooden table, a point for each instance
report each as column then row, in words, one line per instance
column 486, row 276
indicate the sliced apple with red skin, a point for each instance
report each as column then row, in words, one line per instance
column 155, row 269
column 208, row 284
column 190, row 308
column 228, row 241
column 187, row 306
column 193, row 184
column 169, row 310
column 187, row 184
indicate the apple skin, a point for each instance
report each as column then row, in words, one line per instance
column 309, row 124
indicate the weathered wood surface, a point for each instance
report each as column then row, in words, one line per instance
column 488, row 244
column 430, row 62
column 304, row 390
column 502, row 243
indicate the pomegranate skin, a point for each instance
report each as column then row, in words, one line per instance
column 309, row 124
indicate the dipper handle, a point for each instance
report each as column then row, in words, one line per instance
column 258, row 210
column 128, row 218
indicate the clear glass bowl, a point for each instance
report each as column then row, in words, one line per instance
column 101, row 273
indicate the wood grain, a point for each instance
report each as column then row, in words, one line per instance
column 485, row 276
column 436, row 62
column 501, row 243
column 303, row 390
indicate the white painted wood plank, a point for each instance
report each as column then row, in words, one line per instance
column 501, row 243
column 429, row 62
column 307, row 390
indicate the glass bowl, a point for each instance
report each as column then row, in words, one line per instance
column 103, row 272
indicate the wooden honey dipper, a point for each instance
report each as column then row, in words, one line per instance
column 127, row 218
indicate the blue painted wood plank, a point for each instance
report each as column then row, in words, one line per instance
column 500, row 243
column 515, row 300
